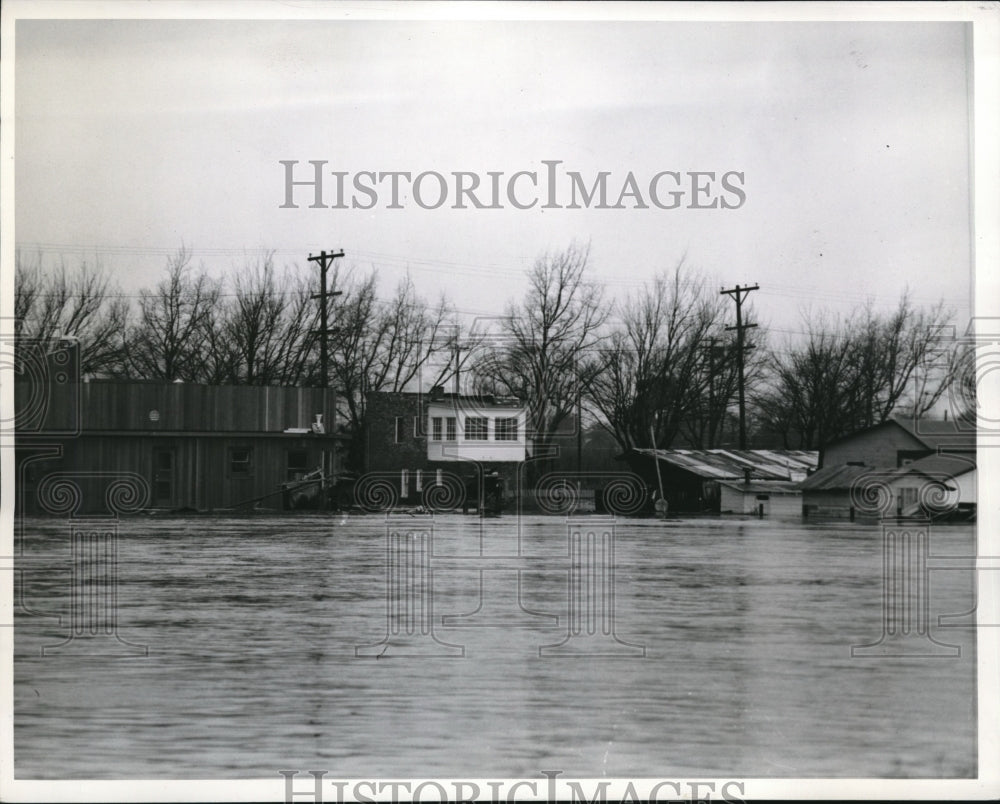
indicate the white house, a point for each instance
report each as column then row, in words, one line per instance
column 483, row 429
column 936, row 483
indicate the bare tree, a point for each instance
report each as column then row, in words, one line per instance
column 813, row 388
column 82, row 304
column 546, row 353
column 656, row 375
column 380, row 345
column 173, row 323
column 854, row 373
column 269, row 325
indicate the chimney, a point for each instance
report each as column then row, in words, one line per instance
column 437, row 393
column 746, row 475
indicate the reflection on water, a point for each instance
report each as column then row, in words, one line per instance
column 252, row 625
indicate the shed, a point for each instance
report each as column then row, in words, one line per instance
column 692, row 478
column 827, row 492
column 778, row 499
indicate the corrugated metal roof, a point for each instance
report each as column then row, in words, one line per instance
column 762, row 486
column 722, row 464
column 834, row 478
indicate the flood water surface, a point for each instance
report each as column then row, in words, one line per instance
column 724, row 651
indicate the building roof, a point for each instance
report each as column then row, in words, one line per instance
column 940, row 435
column 723, row 464
column 762, row 486
column 465, row 401
column 939, row 465
column 935, row 434
column 834, row 478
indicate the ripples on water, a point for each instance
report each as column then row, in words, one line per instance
column 251, row 626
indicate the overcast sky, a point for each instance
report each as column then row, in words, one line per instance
column 853, row 139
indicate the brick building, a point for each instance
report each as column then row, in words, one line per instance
column 413, row 440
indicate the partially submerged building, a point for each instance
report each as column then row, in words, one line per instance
column 192, row 446
column 413, row 440
column 907, row 461
column 762, row 482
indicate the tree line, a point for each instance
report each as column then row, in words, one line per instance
column 656, row 367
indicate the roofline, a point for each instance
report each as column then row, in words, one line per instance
column 875, row 427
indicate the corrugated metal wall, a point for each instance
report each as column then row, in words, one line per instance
column 175, row 407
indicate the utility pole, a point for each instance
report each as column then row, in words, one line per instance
column 739, row 293
column 325, row 260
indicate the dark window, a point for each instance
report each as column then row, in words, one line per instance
column 436, row 429
column 505, row 429
column 240, row 460
column 163, row 478
column 452, row 430
column 296, row 464
column 477, row 428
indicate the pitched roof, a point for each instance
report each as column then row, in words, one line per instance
column 934, row 434
column 939, row 465
column 762, row 486
column 834, row 478
column 725, row 464
column 939, row 435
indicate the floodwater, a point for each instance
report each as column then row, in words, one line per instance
column 730, row 657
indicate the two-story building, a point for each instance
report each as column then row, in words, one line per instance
column 415, row 438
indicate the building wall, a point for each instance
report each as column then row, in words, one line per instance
column 173, row 407
column 384, row 452
column 489, row 450
column 826, row 504
column 876, row 447
column 907, row 488
column 198, row 446
column 399, row 434
column 183, row 471
column 776, row 506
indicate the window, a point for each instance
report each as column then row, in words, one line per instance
column 240, row 460
column 296, row 464
column 400, row 428
column 477, row 428
column 436, row 428
column 505, row 429
column 452, row 429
